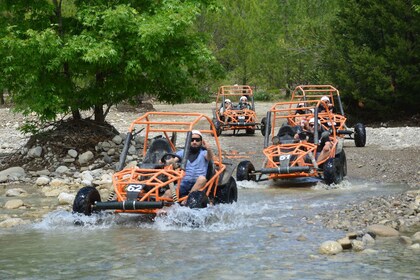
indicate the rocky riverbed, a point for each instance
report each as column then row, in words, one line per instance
column 391, row 155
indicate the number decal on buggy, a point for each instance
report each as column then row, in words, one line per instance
column 284, row 157
column 134, row 188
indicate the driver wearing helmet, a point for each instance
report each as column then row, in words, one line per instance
column 243, row 103
column 327, row 101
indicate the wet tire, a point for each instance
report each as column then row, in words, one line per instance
column 197, row 199
column 263, row 125
column 85, row 199
column 244, row 170
column 343, row 162
column 227, row 193
column 359, row 135
column 333, row 171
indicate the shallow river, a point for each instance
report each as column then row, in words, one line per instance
column 257, row 237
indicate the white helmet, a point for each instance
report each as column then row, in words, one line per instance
column 312, row 120
column 325, row 98
column 243, row 99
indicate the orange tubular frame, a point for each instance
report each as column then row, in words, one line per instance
column 285, row 113
column 230, row 119
column 165, row 123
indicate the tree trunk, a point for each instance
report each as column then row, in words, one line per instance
column 2, row 98
column 76, row 114
column 99, row 114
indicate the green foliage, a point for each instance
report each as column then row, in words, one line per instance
column 375, row 59
column 93, row 53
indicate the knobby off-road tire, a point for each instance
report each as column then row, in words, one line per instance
column 359, row 135
column 243, row 171
column 85, row 199
column 333, row 171
column 343, row 160
column 217, row 127
column 197, row 199
column 263, row 125
column 227, row 193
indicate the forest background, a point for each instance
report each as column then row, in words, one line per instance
column 65, row 56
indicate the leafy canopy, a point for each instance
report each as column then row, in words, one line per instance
column 66, row 56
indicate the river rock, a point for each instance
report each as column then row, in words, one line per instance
column 62, row 169
column 85, row 157
column 405, row 240
column 117, row 139
column 73, row 153
column 35, row 152
column 368, row 240
column 14, row 204
column 12, row 222
column 65, row 198
column 416, row 237
column 415, row 246
column 357, row 245
column 384, row 231
column 16, row 192
column 330, row 248
column 42, row 181
column 12, row 173
column 345, row 243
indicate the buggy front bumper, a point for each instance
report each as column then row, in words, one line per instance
column 128, row 205
column 285, row 170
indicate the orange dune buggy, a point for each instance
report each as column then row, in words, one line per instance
column 140, row 189
column 288, row 156
column 238, row 116
column 316, row 92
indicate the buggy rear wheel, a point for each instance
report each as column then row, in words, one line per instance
column 359, row 135
column 263, row 125
column 244, row 170
column 217, row 126
column 197, row 199
column 333, row 171
column 227, row 193
column 85, row 199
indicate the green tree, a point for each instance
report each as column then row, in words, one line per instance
column 272, row 43
column 374, row 57
column 66, row 56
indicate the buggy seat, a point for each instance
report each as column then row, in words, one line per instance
column 158, row 148
column 286, row 134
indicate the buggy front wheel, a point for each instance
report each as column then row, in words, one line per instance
column 333, row 171
column 85, row 199
column 197, row 199
column 227, row 193
column 244, row 170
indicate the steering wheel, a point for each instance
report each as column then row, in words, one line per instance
column 170, row 156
